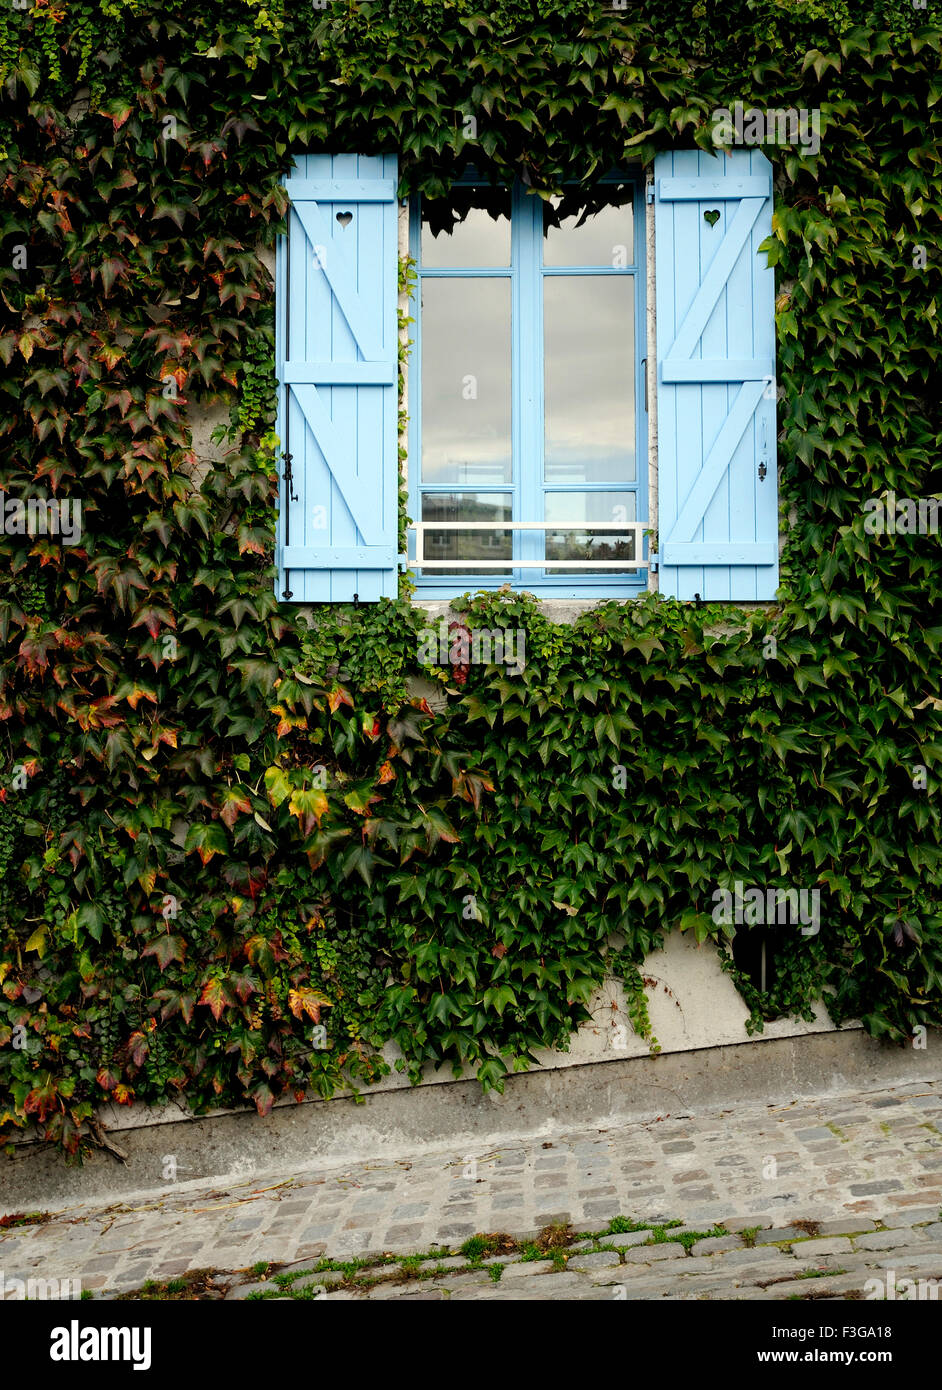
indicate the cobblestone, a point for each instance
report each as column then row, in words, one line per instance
column 628, row 1238
column 649, row 1254
column 308, row 1281
column 525, row 1267
column 846, row 1225
column 257, row 1286
column 596, row 1261
column 890, row 1240
column 814, row 1249
column 714, row 1243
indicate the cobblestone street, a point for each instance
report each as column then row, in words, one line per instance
column 830, row 1193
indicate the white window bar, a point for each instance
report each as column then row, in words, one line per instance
column 621, row 528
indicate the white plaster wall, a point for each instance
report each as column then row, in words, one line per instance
column 692, row 1004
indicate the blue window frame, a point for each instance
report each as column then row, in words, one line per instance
column 527, row 386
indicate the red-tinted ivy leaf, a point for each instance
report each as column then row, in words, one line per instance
column 118, row 110
column 158, row 524
column 214, row 994
column 174, row 211
column 121, row 399
column 260, row 953
column 235, row 803
column 110, row 270
column 253, row 538
column 42, row 1100
column 34, row 651
column 207, row 840
column 152, row 617
column 138, row 1046
column 263, row 1098
column 243, row 985
column 309, row 807
column 176, row 1002
column 164, row 949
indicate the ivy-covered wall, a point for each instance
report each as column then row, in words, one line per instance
column 235, row 854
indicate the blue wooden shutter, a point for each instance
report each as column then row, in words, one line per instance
column 337, row 365
column 717, row 490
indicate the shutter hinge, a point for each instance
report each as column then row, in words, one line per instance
column 289, row 480
column 762, row 471
column 653, row 561
column 649, row 191
column 403, row 560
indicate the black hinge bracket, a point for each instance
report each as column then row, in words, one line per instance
column 289, row 480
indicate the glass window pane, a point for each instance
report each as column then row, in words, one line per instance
column 466, row 381
column 577, row 231
column 469, row 545
column 470, row 229
column 589, row 379
column 574, row 539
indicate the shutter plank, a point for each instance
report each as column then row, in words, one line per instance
column 348, row 557
column 340, row 373
column 731, row 369
column 341, row 190
column 672, row 190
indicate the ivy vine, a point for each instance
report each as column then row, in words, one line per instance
column 240, row 850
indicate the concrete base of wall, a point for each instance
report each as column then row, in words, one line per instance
column 387, row 1125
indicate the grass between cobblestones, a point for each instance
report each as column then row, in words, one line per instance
column 483, row 1253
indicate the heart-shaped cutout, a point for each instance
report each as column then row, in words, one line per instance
column 712, row 215
column 345, row 218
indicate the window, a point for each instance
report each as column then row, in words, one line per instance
column 528, row 385
column 755, row 952
column 526, row 392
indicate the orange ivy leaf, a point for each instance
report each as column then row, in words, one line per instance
column 337, row 697
column 309, row 1001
